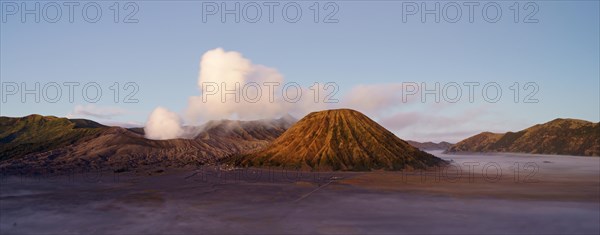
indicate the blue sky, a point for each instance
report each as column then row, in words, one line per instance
column 370, row 45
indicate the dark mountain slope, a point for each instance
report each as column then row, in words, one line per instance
column 430, row 145
column 34, row 133
column 122, row 149
column 559, row 136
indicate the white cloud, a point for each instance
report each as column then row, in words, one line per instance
column 374, row 99
column 387, row 103
column 124, row 124
column 259, row 92
column 163, row 124
column 91, row 110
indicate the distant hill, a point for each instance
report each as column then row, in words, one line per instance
column 341, row 139
column 58, row 144
column 430, row 145
column 559, row 136
column 34, row 133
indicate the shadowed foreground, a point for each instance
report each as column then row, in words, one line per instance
column 564, row 199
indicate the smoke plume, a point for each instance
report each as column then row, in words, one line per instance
column 163, row 124
column 232, row 87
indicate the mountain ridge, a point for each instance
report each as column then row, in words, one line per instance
column 443, row 145
column 103, row 147
column 21, row 136
column 563, row 136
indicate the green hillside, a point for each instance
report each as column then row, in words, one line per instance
column 35, row 133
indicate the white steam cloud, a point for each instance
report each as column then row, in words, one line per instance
column 388, row 103
column 223, row 71
column 163, row 124
column 259, row 93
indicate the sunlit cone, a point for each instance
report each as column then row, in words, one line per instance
column 341, row 139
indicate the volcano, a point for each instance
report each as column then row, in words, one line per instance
column 341, row 139
column 41, row 144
